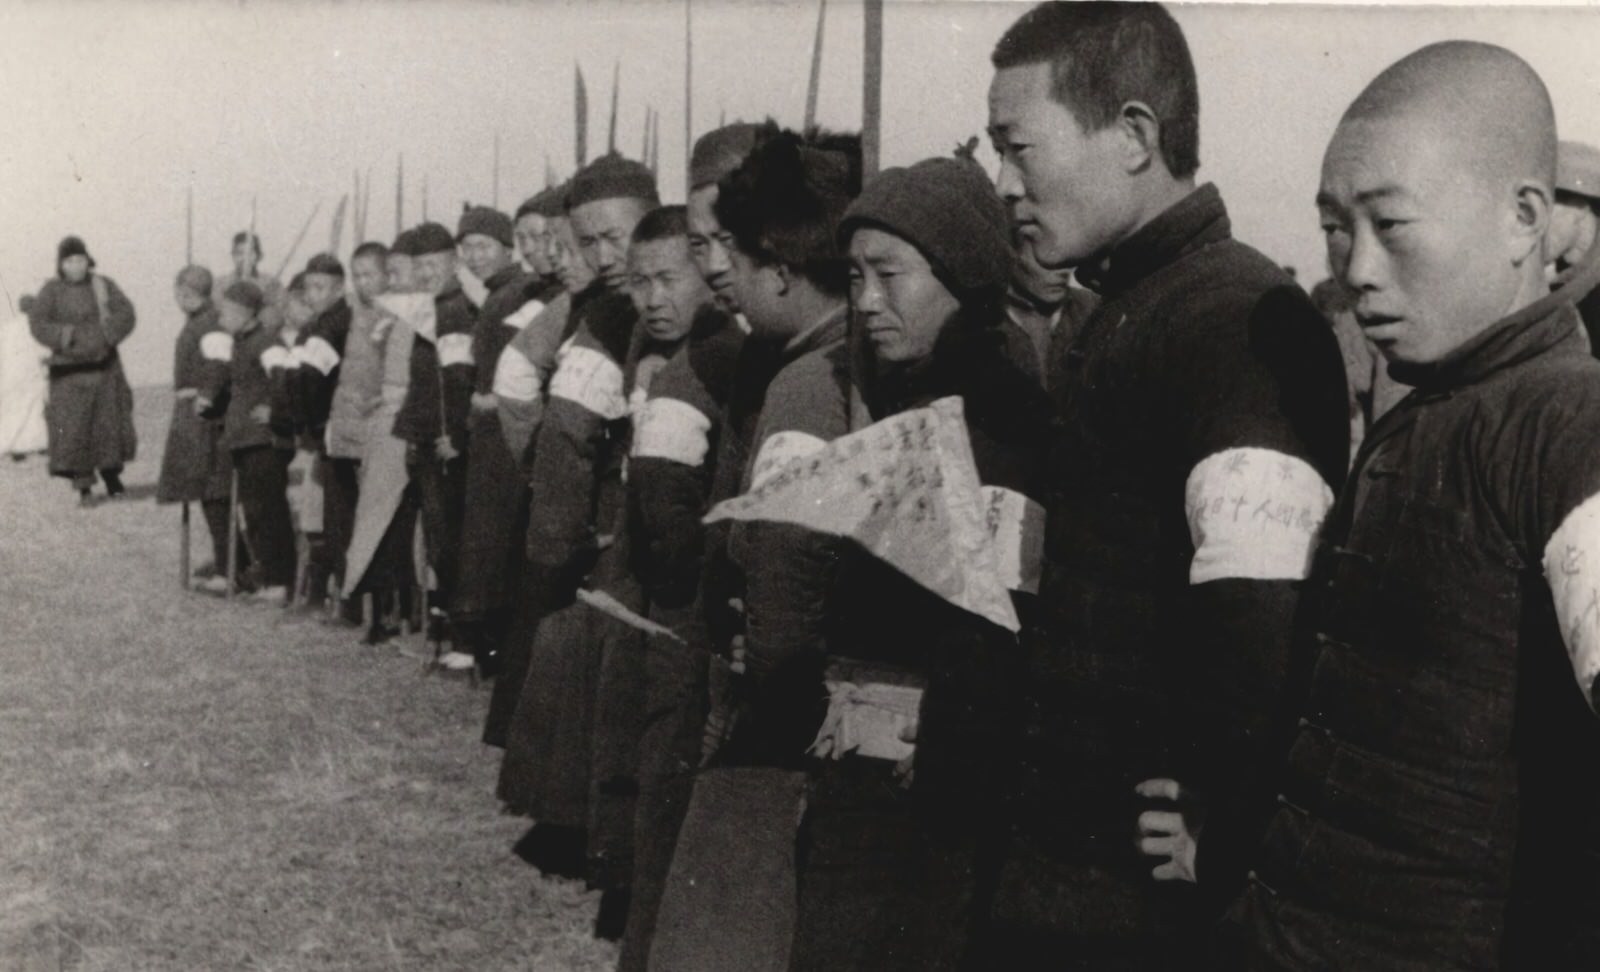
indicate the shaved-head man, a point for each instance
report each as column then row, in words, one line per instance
column 1438, row 795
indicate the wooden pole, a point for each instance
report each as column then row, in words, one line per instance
column 495, row 180
column 688, row 90
column 233, row 534
column 815, row 81
column 188, row 240
column 336, row 233
column 616, row 84
column 400, row 194
column 424, row 197
column 300, row 238
column 580, row 116
column 183, row 549
column 872, row 95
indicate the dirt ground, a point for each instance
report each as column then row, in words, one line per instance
column 187, row 784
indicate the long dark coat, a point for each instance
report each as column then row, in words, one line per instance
column 90, row 412
column 194, row 465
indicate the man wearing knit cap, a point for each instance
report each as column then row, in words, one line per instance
column 575, row 502
column 1205, row 383
column 490, row 553
column 1574, row 226
column 531, row 230
column 194, row 465
column 781, row 209
column 246, row 252
column 435, row 416
column 240, row 392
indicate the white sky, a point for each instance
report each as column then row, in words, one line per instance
column 108, row 111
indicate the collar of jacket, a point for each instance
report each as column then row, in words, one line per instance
column 501, row 277
column 1197, row 220
column 335, row 310
column 829, row 329
column 1523, row 334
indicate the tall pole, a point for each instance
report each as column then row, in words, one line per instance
column 688, row 89
column 424, row 197
column 872, row 82
column 495, row 181
column 400, row 194
column 815, row 82
column 188, row 244
column 616, row 85
column 580, row 116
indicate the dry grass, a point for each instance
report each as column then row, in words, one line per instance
column 192, row 785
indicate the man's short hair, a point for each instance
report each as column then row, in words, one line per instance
column 371, row 248
column 1103, row 55
column 783, row 204
column 662, row 223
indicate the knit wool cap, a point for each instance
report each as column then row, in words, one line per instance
column 431, row 238
column 1578, row 170
column 484, row 221
column 72, row 246
column 550, row 203
column 612, row 177
column 196, row 278
column 246, row 295
column 719, row 151
column 325, row 264
column 948, row 209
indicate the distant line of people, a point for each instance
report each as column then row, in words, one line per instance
column 1306, row 588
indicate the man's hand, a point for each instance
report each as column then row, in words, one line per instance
column 1166, row 834
column 261, row 414
column 484, row 402
column 445, row 448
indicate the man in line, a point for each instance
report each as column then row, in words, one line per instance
column 246, row 252
column 434, row 420
column 313, row 382
column 1202, row 430
column 489, row 557
column 1442, row 764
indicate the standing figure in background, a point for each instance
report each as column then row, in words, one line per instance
column 194, row 466
column 81, row 317
column 246, row 257
column 24, row 384
column 1574, row 226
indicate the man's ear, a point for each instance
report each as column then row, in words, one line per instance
column 1141, row 136
column 784, row 279
column 1530, row 220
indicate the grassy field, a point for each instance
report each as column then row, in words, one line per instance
column 187, row 784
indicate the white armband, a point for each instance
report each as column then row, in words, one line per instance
column 1572, row 569
column 1016, row 523
column 1253, row 515
column 666, row 428
column 276, row 356
column 589, row 378
column 525, row 314
column 515, row 377
column 319, row 354
column 216, row 346
column 778, row 450
column 455, row 349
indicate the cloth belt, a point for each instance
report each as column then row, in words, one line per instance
column 869, row 712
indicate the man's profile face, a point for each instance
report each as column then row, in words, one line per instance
column 1417, row 238
column 532, row 236
column 367, row 273
column 1572, row 229
column 1067, row 193
column 322, row 290
column 710, row 243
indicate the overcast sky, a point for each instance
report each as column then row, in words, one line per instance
column 110, row 111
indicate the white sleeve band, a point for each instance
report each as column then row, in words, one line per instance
column 276, row 356
column 778, row 450
column 589, row 378
column 1253, row 515
column 1017, row 525
column 1572, row 569
column 216, row 346
column 455, row 349
column 666, row 428
column 525, row 314
column 319, row 354
column 515, row 377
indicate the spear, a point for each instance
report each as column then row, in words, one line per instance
column 655, row 144
column 299, row 238
column 580, row 114
column 357, row 216
column 872, row 83
column 336, row 236
column 549, row 172
column 616, row 79
column 188, row 245
column 495, row 180
column 366, row 207
column 644, row 150
column 424, row 197
column 816, row 69
column 400, row 194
